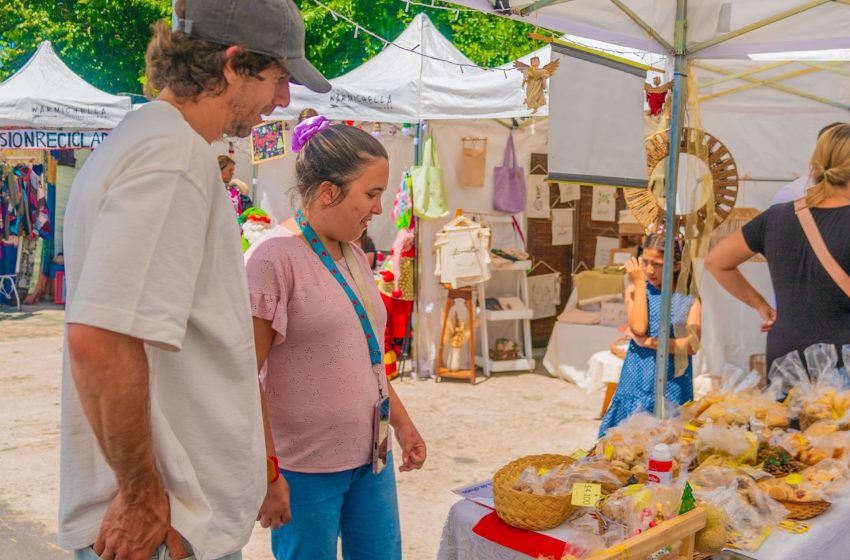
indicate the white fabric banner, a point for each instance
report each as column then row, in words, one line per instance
column 604, row 208
column 562, row 226
column 598, row 103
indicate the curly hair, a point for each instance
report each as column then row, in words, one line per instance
column 190, row 67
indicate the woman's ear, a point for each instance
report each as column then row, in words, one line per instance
column 328, row 193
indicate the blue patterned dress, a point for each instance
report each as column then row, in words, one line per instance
column 636, row 389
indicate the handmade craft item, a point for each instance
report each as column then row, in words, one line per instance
column 534, row 81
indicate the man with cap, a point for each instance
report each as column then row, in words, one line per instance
column 164, row 452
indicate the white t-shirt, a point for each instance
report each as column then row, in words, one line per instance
column 152, row 251
column 792, row 191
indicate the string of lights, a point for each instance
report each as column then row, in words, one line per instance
column 358, row 28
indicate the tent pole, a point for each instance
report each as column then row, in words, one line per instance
column 758, row 25
column 675, row 135
column 736, row 75
column 534, row 6
column 416, row 318
column 770, row 83
column 828, row 68
column 642, row 24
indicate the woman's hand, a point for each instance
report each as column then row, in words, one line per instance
column 635, row 271
column 275, row 509
column 646, row 341
column 413, row 450
column 768, row 316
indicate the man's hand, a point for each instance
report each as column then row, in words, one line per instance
column 413, row 450
column 133, row 527
column 275, row 510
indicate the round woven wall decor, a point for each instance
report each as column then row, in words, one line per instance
column 724, row 181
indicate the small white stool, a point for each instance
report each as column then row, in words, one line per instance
column 604, row 368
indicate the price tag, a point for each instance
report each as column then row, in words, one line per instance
column 608, row 451
column 578, row 454
column 691, row 427
column 542, row 471
column 787, row 400
column 586, row 494
column 796, row 527
column 793, row 479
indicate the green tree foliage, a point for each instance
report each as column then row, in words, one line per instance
column 484, row 38
column 104, row 41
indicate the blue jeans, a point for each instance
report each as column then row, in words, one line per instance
column 355, row 505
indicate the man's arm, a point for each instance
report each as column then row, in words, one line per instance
column 110, row 371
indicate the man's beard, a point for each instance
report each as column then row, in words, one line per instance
column 240, row 124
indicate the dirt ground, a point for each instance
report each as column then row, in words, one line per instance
column 471, row 431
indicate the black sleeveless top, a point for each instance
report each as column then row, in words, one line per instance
column 810, row 307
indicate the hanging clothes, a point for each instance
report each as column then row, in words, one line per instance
column 463, row 253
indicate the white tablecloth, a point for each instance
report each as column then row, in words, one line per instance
column 731, row 330
column 828, row 538
column 570, row 348
column 604, row 367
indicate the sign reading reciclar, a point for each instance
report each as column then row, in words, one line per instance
column 32, row 139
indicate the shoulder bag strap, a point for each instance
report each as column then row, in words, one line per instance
column 838, row 275
column 359, row 281
column 509, row 159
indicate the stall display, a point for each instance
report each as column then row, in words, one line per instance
column 736, row 452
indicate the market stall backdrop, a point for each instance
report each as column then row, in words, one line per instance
column 47, row 96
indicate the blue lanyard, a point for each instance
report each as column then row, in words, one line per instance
column 375, row 354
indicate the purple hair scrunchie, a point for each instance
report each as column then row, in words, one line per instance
column 306, row 129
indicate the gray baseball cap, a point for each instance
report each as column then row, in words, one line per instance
column 270, row 27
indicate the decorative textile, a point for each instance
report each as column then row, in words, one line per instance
column 509, row 182
column 636, row 390
column 473, row 161
column 429, row 192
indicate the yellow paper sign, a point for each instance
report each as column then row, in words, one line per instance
column 787, row 400
column 793, row 479
column 586, row 494
column 608, row 451
column 691, row 427
column 796, row 527
column 541, row 471
column 578, row 454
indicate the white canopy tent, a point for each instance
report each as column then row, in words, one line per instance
column 46, row 94
column 699, row 31
column 419, row 76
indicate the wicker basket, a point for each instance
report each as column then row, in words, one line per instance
column 805, row 510
column 529, row 511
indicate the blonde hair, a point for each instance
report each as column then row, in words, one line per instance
column 830, row 165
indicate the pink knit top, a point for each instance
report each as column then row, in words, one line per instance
column 319, row 383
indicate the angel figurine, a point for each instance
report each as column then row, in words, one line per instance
column 534, row 81
column 656, row 95
column 457, row 333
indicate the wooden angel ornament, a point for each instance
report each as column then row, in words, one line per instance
column 534, row 81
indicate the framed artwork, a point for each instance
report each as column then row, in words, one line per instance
column 268, row 141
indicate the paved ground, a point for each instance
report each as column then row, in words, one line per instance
column 471, row 431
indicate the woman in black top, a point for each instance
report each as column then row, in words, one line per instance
column 810, row 307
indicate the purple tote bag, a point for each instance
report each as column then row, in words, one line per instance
column 509, row 182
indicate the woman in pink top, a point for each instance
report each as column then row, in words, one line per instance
column 316, row 314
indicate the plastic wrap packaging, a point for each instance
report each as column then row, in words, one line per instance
column 733, row 442
column 627, row 445
column 747, row 509
column 559, row 480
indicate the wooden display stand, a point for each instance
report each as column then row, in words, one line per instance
column 466, row 294
column 679, row 529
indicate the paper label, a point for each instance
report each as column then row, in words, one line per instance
column 542, row 471
column 608, row 451
column 787, row 400
column 578, row 454
column 691, row 427
column 793, row 479
column 586, row 494
column 793, row 526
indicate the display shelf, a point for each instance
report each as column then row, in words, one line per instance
column 508, row 314
column 519, row 364
column 518, row 265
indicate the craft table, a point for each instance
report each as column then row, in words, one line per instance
column 827, row 539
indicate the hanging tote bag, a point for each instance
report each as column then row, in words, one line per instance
column 429, row 193
column 473, row 161
column 509, row 182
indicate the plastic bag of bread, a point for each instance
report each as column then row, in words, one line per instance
column 835, row 445
column 733, row 441
column 531, row 481
column 790, row 489
column 747, row 509
column 831, row 475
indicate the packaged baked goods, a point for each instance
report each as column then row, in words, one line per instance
column 734, row 442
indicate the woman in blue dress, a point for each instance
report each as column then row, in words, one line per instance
column 636, row 389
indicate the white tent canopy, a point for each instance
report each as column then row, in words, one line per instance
column 45, row 93
column 419, row 76
column 715, row 28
